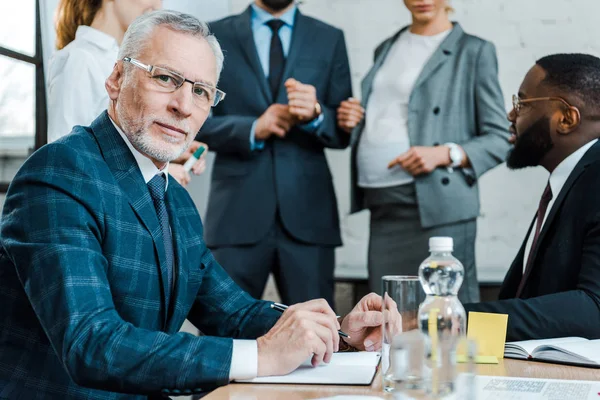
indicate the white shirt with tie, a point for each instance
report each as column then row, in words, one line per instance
column 244, row 359
column 557, row 180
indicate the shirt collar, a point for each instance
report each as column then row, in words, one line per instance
column 261, row 17
column 147, row 167
column 561, row 173
column 96, row 37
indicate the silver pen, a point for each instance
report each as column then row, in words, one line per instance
column 282, row 307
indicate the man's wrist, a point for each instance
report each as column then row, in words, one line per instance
column 317, row 111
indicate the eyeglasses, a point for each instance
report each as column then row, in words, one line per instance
column 518, row 103
column 204, row 95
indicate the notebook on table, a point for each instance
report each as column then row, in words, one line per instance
column 344, row 369
column 569, row 350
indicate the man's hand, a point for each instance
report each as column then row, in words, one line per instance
column 363, row 324
column 422, row 160
column 349, row 114
column 180, row 174
column 302, row 100
column 199, row 166
column 276, row 120
column 304, row 330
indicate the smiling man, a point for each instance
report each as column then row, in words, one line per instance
column 102, row 254
column 553, row 286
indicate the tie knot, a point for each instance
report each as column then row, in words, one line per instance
column 157, row 187
column 275, row 25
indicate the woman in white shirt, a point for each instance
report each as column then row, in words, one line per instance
column 88, row 35
column 434, row 122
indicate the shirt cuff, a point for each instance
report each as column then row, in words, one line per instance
column 244, row 360
column 313, row 125
column 255, row 144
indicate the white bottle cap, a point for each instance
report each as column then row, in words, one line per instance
column 441, row 243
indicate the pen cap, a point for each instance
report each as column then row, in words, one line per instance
column 199, row 152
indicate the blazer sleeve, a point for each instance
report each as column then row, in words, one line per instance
column 339, row 89
column 240, row 317
column 52, row 232
column 227, row 134
column 490, row 145
column 570, row 313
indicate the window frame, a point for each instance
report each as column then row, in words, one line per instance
column 41, row 118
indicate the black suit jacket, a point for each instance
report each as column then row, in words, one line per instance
column 561, row 295
column 289, row 175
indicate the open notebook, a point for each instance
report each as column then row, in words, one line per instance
column 343, row 369
column 570, row 350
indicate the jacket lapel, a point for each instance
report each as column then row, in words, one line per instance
column 591, row 155
column 129, row 177
column 246, row 40
column 301, row 39
column 441, row 54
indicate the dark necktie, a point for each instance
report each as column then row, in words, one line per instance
column 544, row 201
column 157, row 191
column 276, row 57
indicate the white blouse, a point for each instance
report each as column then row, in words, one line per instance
column 76, row 76
column 386, row 125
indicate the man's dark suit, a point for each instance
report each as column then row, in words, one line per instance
column 285, row 189
column 83, row 275
column 561, row 295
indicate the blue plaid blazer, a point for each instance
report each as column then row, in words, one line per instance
column 82, row 282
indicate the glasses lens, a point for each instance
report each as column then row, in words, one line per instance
column 165, row 79
column 219, row 95
column 203, row 95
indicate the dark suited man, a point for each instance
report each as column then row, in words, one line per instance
column 102, row 254
column 272, row 207
column 553, row 286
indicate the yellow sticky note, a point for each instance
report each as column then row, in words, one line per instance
column 489, row 331
column 462, row 358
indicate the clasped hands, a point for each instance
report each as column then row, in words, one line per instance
column 416, row 161
column 278, row 119
column 310, row 329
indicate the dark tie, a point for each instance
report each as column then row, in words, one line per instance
column 544, row 201
column 276, row 57
column 157, row 191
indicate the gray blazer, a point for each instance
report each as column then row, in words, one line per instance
column 457, row 98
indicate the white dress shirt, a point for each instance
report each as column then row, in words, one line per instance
column 244, row 359
column 76, row 76
column 557, row 180
column 386, row 126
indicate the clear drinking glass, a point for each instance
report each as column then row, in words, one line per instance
column 402, row 296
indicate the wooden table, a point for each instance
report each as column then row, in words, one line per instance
column 506, row 367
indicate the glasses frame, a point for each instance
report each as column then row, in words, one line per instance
column 517, row 102
column 219, row 95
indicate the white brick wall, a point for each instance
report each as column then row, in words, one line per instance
column 523, row 30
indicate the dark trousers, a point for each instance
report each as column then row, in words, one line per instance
column 302, row 271
column 398, row 243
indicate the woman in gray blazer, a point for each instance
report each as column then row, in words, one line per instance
column 434, row 122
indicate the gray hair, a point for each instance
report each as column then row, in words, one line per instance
column 139, row 32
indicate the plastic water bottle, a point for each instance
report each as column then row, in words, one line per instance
column 442, row 317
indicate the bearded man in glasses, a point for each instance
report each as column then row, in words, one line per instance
column 102, row 254
column 553, row 286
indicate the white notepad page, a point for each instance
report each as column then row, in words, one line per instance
column 344, row 369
